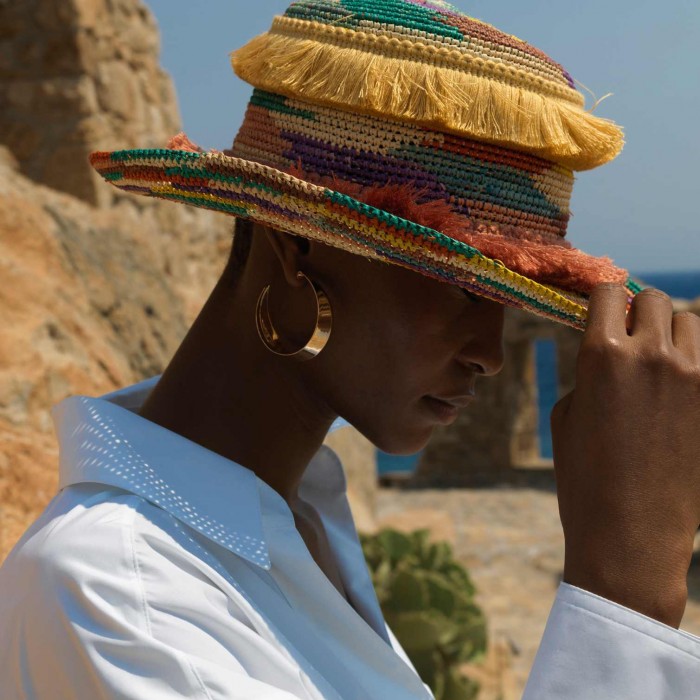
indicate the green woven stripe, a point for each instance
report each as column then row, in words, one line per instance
column 397, row 13
column 399, row 223
column 203, row 173
column 400, row 13
column 633, row 286
column 325, row 11
column 155, row 154
column 278, row 103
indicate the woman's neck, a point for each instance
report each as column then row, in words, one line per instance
column 226, row 392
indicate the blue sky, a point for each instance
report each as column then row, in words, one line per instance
column 641, row 209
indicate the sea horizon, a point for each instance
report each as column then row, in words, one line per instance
column 684, row 284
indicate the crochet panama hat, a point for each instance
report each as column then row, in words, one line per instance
column 405, row 131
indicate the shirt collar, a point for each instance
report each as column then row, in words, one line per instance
column 104, row 440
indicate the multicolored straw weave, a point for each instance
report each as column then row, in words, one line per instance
column 404, row 131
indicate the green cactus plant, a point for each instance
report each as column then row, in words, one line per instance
column 427, row 601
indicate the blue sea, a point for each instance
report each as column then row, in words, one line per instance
column 680, row 285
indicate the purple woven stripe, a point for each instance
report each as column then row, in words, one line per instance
column 361, row 167
column 134, row 188
column 368, row 169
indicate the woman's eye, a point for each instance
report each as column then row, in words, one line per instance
column 470, row 296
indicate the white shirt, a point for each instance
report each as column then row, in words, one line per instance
column 162, row 570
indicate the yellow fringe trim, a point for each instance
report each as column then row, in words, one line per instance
column 444, row 89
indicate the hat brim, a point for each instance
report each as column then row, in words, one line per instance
column 242, row 188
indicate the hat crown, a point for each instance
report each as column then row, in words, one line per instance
column 436, row 24
column 428, row 64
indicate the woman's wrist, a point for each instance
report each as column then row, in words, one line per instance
column 660, row 599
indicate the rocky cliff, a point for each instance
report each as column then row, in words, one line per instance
column 98, row 287
column 77, row 76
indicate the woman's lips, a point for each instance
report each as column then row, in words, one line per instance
column 446, row 410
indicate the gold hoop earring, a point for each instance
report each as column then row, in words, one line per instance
column 271, row 339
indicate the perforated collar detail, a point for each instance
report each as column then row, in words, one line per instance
column 104, row 440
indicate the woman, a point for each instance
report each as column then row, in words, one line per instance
column 202, row 545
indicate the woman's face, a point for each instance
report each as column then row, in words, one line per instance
column 404, row 351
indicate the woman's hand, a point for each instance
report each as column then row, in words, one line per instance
column 627, row 453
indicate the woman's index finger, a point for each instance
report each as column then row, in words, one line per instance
column 607, row 311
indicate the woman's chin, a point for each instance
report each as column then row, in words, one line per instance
column 407, row 433
column 404, row 443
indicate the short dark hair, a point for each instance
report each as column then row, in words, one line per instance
column 243, row 232
column 240, row 249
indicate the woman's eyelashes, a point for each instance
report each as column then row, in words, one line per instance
column 472, row 297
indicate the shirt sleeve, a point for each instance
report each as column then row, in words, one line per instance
column 75, row 624
column 594, row 649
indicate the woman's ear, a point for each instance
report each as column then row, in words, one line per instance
column 289, row 250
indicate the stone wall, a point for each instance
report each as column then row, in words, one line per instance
column 84, row 75
column 78, row 76
column 84, row 309
column 99, row 286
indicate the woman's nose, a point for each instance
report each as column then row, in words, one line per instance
column 484, row 349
